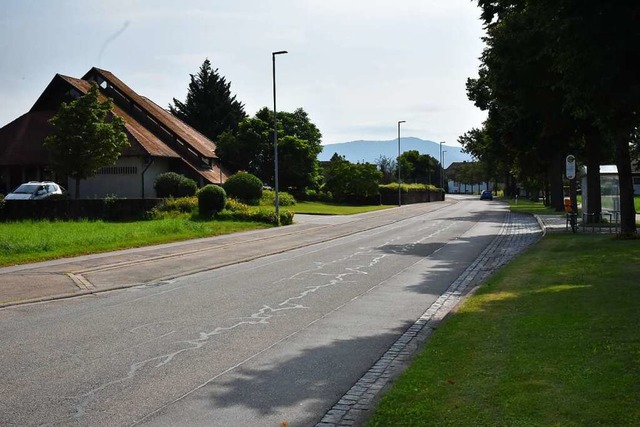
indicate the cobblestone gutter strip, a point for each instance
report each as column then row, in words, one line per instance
column 517, row 232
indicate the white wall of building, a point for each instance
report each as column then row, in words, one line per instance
column 455, row 187
column 122, row 180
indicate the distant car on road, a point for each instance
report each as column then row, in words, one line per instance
column 35, row 190
column 486, row 195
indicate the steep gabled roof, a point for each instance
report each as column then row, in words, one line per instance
column 22, row 139
column 194, row 139
column 147, row 140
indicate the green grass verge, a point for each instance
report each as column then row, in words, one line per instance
column 527, row 206
column 30, row 241
column 321, row 208
column 553, row 339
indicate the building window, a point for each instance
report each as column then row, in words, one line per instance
column 636, row 180
column 118, row 170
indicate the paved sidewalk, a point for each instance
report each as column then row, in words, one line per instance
column 518, row 232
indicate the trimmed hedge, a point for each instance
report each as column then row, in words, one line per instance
column 410, row 193
column 109, row 209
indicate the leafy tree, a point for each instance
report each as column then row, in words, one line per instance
column 600, row 75
column 251, row 148
column 349, row 182
column 85, row 137
column 387, row 166
column 418, row 168
column 209, row 107
column 567, row 74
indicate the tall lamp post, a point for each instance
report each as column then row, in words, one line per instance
column 443, row 153
column 275, row 134
column 398, row 163
column 441, row 167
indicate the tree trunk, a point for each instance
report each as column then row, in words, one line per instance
column 77, row 188
column 625, row 183
column 593, row 144
column 555, row 181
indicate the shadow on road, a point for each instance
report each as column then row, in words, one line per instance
column 302, row 379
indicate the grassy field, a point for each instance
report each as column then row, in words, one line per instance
column 527, row 206
column 320, row 208
column 29, row 241
column 553, row 339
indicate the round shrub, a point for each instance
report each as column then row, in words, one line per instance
column 284, row 198
column 211, row 199
column 245, row 187
column 187, row 187
column 171, row 184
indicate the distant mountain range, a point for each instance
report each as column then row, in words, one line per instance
column 370, row 151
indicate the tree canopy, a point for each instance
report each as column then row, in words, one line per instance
column 351, row 182
column 558, row 77
column 418, row 168
column 85, row 137
column 250, row 148
column 210, row 108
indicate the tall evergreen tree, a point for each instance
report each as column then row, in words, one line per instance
column 209, row 108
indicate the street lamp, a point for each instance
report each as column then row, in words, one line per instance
column 443, row 153
column 275, row 133
column 441, row 167
column 398, row 164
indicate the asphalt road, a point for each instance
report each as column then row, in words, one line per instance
column 273, row 339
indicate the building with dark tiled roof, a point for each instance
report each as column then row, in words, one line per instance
column 159, row 142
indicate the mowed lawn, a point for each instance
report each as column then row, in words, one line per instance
column 553, row 339
column 322, row 208
column 30, row 241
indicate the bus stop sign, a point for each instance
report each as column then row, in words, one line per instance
column 571, row 166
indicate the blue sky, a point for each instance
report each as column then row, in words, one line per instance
column 356, row 66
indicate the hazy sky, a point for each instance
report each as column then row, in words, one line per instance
column 356, row 66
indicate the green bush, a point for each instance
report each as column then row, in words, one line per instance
column 238, row 211
column 245, row 187
column 211, row 200
column 256, row 214
column 237, row 206
column 311, row 195
column 284, row 198
column 171, row 184
column 172, row 208
column 407, row 188
column 181, row 204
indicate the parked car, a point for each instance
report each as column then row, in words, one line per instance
column 486, row 195
column 35, row 190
